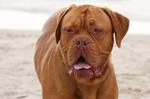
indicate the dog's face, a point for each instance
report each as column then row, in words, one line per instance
column 86, row 41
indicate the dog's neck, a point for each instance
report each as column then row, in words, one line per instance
column 86, row 92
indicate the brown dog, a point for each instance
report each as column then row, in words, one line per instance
column 73, row 55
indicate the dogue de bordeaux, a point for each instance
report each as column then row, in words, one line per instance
column 73, row 55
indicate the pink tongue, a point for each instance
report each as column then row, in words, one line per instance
column 81, row 66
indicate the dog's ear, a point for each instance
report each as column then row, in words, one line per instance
column 120, row 25
column 61, row 15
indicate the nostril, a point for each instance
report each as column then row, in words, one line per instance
column 85, row 43
column 78, row 42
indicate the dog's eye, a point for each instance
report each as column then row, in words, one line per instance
column 69, row 30
column 97, row 30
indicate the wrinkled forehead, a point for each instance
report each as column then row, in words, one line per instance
column 83, row 14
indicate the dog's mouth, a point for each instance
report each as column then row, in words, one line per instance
column 81, row 64
column 85, row 70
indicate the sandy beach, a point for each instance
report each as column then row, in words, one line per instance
column 19, row 81
column 17, row 74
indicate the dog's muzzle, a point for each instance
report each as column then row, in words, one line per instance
column 81, row 65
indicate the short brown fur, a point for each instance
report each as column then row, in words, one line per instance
column 56, row 51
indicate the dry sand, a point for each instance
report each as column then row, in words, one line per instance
column 17, row 74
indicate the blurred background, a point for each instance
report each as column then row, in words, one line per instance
column 30, row 15
column 21, row 22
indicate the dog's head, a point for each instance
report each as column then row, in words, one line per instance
column 85, row 34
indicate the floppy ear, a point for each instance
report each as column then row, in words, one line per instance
column 120, row 25
column 59, row 21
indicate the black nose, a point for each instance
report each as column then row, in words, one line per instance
column 81, row 42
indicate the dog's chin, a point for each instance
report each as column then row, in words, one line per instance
column 83, row 71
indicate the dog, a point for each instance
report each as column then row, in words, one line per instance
column 73, row 54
